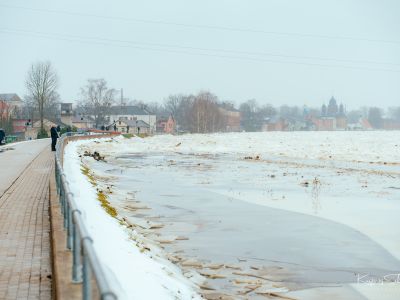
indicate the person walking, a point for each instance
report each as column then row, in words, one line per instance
column 54, row 137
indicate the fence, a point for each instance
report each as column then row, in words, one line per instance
column 86, row 267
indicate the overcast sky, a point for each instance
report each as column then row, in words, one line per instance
column 278, row 52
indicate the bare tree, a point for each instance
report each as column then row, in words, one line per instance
column 52, row 108
column 375, row 117
column 172, row 104
column 179, row 106
column 41, row 83
column 249, row 111
column 353, row 116
column 29, row 109
column 394, row 113
column 205, row 114
column 97, row 99
column 156, row 108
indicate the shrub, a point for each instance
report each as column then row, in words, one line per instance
column 42, row 134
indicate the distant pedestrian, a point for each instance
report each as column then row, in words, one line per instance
column 54, row 137
column 2, row 135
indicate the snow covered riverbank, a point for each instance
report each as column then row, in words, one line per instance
column 337, row 192
column 136, row 273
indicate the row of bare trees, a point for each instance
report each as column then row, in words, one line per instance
column 43, row 101
column 199, row 113
column 97, row 100
column 196, row 113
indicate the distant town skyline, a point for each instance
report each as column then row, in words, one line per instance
column 277, row 52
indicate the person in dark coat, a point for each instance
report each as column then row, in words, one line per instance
column 2, row 135
column 54, row 137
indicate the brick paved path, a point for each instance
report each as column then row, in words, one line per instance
column 25, row 254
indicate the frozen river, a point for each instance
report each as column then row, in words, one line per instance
column 251, row 223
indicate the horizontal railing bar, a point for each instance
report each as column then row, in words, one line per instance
column 83, row 235
column 96, row 268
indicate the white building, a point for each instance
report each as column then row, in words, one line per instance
column 130, row 126
column 133, row 113
column 82, row 122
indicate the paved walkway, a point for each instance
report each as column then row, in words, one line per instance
column 25, row 254
column 15, row 157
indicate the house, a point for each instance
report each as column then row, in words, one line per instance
column 82, row 122
column 133, row 113
column 130, row 126
column 295, row 124
column 5, row 112
column 389, row 124
column 160, row 126
column 231, row 118
column 366, row 125
column 13, row 102
column 324, row 123
column 341, row 122
column 5, row 117
column 362, row 124
column 274, row 124
column 3, row 109
column 47, row 124
column 66, row 114
column 20, row 125
column 31, row 132
column 166, row 125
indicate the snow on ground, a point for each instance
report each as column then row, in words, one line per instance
column 135, row 272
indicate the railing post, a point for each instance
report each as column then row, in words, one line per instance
column 87, row 278
column 66, row 209
column 61, row 197
column 70, row 229
column 56, row 175
column 76, row 254
column 59, row 181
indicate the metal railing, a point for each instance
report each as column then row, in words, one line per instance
column 86, row 266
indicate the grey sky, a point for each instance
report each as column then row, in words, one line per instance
column 154, row 59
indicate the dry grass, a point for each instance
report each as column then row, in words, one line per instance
column 106, row 204
column 102, row 197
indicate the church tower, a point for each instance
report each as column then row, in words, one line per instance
column 332, row 108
